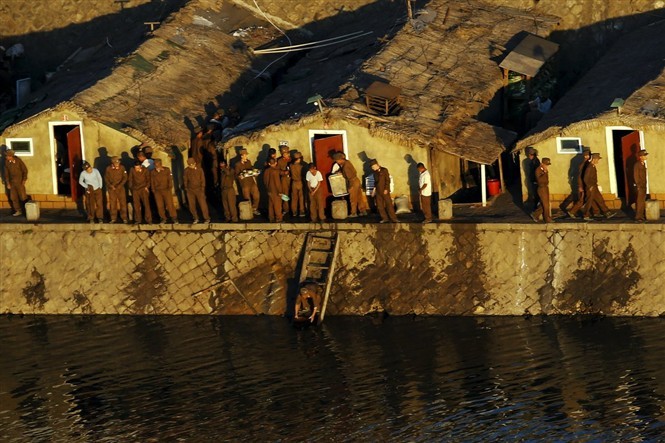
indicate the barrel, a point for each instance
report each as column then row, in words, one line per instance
column 32, row 211
column 246, row 211
column 402, row 204
column 493, row 186
column 652, row 209
column 340, row 210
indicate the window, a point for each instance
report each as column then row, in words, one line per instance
column 568, row 145
column 21, row 146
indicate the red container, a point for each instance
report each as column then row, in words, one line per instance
column 493, row 187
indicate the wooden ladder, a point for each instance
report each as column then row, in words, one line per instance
column 318, row 263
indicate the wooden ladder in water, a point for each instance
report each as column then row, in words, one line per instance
column 318, row 263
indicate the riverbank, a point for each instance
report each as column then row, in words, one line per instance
column 407, row 268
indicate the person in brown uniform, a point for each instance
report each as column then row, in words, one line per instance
column 308, row 303
column 382, row 193
column 115, row 178
column 226, row 180
column 640, row 177
column 161, row 183
column 139, row 184
column 591, row 191
column 271, row 178
column 356, row 197
column 195, row 187
column 16, row 174
column 297, row 197
column 284, row 166
column 197, row 145
column 543, row 182
column 579, row 201
column 250, row 190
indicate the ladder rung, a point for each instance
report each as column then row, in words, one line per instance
column 321, row 250
column 318, row 265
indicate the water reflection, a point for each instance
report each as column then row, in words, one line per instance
column 214, row 378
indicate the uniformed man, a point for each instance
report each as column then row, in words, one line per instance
column 640, row 176
column 356, row 197
column 195, row 186
column 271, row 178
column 248, row 186
column 197, row 145
column 208, row 162
column 226, row 180
column 308, row 303
column 115, row 178
column 579, row 202
column 532, row 165
column 317, row 203
column 591, row 191
column 381, row 193
column 139, row 185
column 297, row 197
column 161, row 183
column 91, row 180
column 284, row 166
column 16, row 174
column 543, row 181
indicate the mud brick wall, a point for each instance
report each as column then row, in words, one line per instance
column 440, row 269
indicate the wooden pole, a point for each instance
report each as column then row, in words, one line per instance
column 409, row 12
column 503, row 184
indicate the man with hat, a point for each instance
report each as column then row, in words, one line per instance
column 248, row 186
column 195, row 186
column 91, row 180
column 197, row 145
column 115, row 178
column 543, row 181
column 640, row 177
column 271, row 178
column 356, row 198
column 592, row 193
column 284, row 166
column 161, row 183
column 226, row 181
column 139, row 184
column 16, row 174
column 297, row 197
column 532, row 164
column 381, row 193
column 579, row 201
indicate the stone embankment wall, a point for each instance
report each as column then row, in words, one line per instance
column 440, row 269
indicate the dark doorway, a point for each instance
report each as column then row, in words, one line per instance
column 68, row 158
column 626, row 144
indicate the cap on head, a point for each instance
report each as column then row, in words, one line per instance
column 190, row 161
column 546, row 161
column 158, row 161
column 147, row 149
column 642, row 153
column 339, row 156
column 115, row 159
column 586, row 150
column 243, row 151
column 596, row 156
column 9, row 152
column 373, row 162
column 297, row 155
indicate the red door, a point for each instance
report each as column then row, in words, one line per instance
column 75, row 159
column 324, row 148
column 630, row 146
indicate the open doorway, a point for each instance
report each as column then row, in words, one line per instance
column 68, row 150
column 626, row 143
column 324, row 145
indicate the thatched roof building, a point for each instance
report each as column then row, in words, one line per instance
column 633, row 70
column 446, row 67
column 189, row 66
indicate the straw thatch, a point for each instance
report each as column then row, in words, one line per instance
column 447, row 70
column 171, row 83
column 634, row 70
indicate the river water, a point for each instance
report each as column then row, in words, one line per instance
column 116, row 379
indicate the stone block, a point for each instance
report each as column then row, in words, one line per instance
column 445, row 209
column 652, row 210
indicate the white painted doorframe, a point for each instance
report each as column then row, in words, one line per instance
column 609, row 141
column 51, row 132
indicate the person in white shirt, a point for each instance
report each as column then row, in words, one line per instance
column 317, row 204
column 91, row 180
column 425, row 186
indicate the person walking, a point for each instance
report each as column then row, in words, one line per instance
column 384, row 202
column 161, row 183
column 356, row 198
column 543, row 182
column 115, row 178
column 317, row 203
column 425, row 187
column 16, row 174
column 139, row 185
column 640, row 177
column 91, row 180
column 226, row 181
column 593, row 195
column 195, row 187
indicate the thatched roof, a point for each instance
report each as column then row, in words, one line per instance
column 172, row 82
column 447, row 69
column 634, row 70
